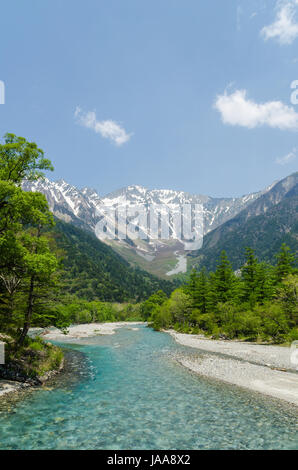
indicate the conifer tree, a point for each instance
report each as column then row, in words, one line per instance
column 285, row 262
column 249, row 273
column 264, row 289
column 201, row 293
column 223, row 279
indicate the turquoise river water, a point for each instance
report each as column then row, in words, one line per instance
column 126, row 391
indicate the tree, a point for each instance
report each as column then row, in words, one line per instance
column 221, row 282
column 285, row 262
column 264, row 289
column 287, row 295
column 26, row 261
column 149, row 305
column 249, row 273
column 202, row 291
column 40, row 264
column 180, row 305
column 197, row 289
column 20, row 159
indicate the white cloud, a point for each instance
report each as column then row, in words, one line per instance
column 287, row 158
column 237, row 110
column 285, row 26
column 107, row 129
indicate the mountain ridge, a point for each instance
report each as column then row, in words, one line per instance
column 84, row 208
column 264, row 225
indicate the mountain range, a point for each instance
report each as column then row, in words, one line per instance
column 229, row 223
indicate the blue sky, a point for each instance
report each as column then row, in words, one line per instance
column 183, row 94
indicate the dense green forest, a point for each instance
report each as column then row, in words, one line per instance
column 93, row 271
column 257, row 303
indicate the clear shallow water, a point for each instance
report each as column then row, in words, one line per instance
column 125, row 391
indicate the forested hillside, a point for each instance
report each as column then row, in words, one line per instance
column 93, row 271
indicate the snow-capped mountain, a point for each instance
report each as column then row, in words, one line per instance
column 68, row 202
column 85, row 207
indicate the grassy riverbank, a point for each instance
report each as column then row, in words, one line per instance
column 38, row 360
column 33, row 363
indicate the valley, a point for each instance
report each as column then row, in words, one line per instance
column 148, row 229
column 220, row 218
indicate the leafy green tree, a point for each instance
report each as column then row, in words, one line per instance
column 40, row 265
column 20, row 159
column 191, row 285
column 161, row 316
column 149, row 305
column 275, row 324
column 180, row 305
column 26, row 261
